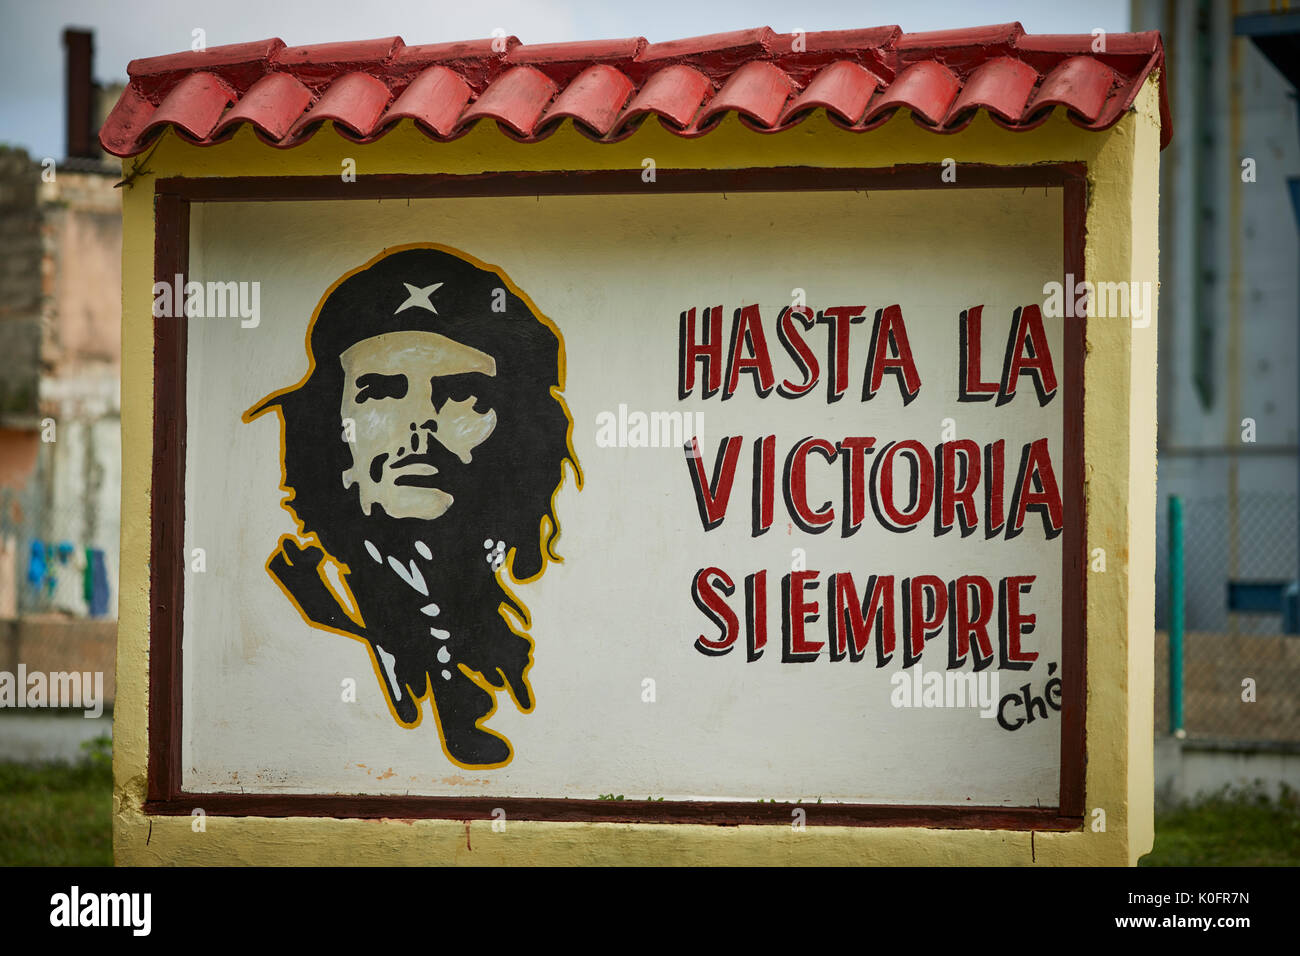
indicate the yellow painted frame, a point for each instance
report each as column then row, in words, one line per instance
column 1119, row 487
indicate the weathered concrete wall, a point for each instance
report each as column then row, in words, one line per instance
column 18, row 450
column 82, row 242
column 53, row 643
column 1188, row 770
column 49, row 736
column 60, row 366
column 21, row 288
column 82, row 355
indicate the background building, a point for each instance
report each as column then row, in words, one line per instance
column 60, row 363
column 1229, row 315
column 60, row 431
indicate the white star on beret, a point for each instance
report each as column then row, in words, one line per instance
column 419, row 298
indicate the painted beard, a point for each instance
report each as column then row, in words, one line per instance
column 431, row 601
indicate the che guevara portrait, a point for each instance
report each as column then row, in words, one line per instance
column 421, row 457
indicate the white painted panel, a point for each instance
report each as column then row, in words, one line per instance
column 262, row 701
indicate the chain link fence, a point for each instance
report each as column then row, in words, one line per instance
column 1231, row 655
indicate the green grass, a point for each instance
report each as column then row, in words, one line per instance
column 1241, row 827
column 58, row 814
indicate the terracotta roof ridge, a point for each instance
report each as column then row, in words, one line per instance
column 769, row 80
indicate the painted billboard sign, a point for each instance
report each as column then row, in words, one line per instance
column 556, row 511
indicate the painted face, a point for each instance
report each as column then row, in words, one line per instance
column 419, row 408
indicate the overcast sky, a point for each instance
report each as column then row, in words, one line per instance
column 31, row 52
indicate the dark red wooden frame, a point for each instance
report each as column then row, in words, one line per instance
column 171, row 257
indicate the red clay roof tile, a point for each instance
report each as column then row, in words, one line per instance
column 354, row 101
column 477, row 62
column 123, row 133
column 594, row 99
column 927, row 88
column 1002, row 86
column 607, row 87
column 758, row 90
column 1079, row 84
column 194, row 106
column 674, row 93
column 273, row 104
column 436, row 98
column 843, row 88
column 213, row 58
column 515, row 99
